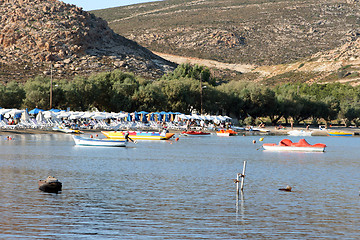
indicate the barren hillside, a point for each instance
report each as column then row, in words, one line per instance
column 37, row 33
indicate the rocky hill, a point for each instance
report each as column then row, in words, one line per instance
column 279, row 39
column 37, row 33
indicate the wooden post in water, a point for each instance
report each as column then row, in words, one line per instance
column 237, row 184
column 243, row 177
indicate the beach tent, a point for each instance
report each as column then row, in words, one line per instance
column 55, row 110
column 35, row 111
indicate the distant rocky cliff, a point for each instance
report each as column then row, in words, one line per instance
column 35, row 33
column 252, row 32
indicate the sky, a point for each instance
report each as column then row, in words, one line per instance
column 89, row 5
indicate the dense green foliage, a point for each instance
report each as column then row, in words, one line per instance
column 184, row 90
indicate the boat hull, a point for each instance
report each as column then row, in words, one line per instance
column 340, row 134
column 300, row 133
column 301, row 146
column 294, row 149
column 226, row 133
column 195, row 134
column 98, row 142
column 138, row 135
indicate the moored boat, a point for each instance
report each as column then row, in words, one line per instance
column 82, row 141
column 299, row 133
column 226, row 133
column 66, row 130
column 340, row 134
column 138, row 135
column 195, row 133
column 288, row 145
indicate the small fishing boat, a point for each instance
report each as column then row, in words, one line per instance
column 138, row 135
column 299, row 133
column 50, row 184
column 340, row 134
column 66, row 130
column 82, row 141
column 288, row 145
column 226, row 133
column 195, row 133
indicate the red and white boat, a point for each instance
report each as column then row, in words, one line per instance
column 195, row 133
column 288, row 145
column 226, row 133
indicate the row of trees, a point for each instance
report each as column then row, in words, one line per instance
column 181, row 91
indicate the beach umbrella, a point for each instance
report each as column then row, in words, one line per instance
column 63, row 114
column 88, row 115
column 3, row 111
column 129, row 118
column 25, row 116
column 144, row 118
column 99, row 116
column 152, row 117
column 40, row 117
column 55, row 110
column 142, row 112
column 136, row 116
column 48, row 114
column 35, row 111
column 15, row 113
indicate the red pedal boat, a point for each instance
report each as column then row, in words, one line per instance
column 288, row 145
column 195, row 133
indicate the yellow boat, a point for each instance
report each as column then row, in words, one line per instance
column 340, row 134
column 138, row 135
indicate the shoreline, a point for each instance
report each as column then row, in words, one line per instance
column 272, row 129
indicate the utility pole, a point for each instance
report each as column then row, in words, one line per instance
column 201, row 97
column 51, row 86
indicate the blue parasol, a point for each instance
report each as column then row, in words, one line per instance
column 129, row 119
column 36, row 111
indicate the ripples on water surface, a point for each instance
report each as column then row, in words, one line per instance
column 178, row 190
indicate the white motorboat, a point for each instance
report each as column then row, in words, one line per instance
column 300, row 133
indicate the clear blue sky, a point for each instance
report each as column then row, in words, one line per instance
column 88, row 5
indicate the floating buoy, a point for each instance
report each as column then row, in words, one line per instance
column 91, row 136
column 287, row 189
column 254, row 141
column 96, row 135
column 176, row 139
column 261, row 139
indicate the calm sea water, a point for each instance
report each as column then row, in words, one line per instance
column 179, row 190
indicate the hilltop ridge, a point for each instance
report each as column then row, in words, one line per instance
column 274, row 37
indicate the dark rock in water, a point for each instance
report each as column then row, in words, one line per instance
column 50, row 184
column 287, row 189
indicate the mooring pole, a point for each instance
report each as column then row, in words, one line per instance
column 237, row 184
column 243, row 177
